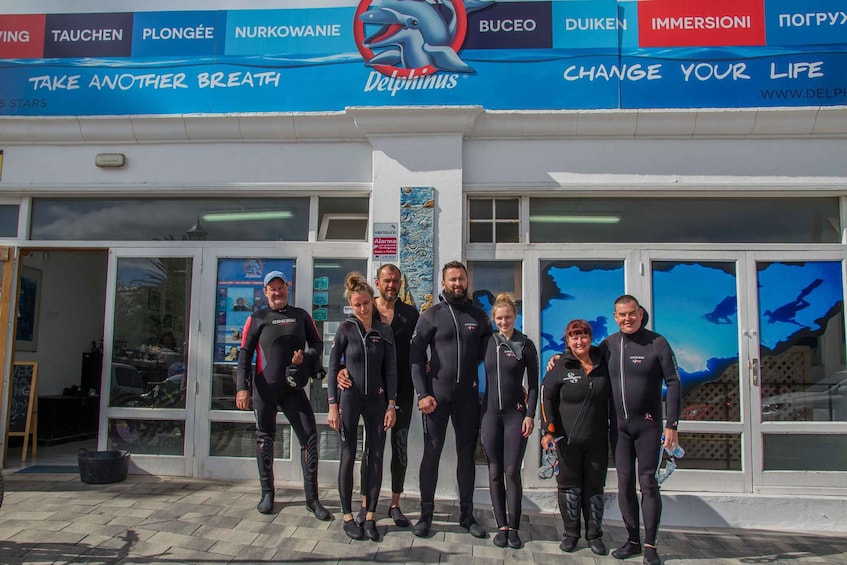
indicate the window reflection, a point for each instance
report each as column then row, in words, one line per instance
column 172, row 219
column 148, row 349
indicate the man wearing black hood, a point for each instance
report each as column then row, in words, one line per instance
column 639, row 361
column 455, row 332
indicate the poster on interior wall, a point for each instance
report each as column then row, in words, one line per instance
column 326, row 55
column 29, row 301
column 240, row 292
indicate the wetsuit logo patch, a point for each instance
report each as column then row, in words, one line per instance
column 648, row 417
column 286, row 321
column 636, row 359
column 571, row 377
column 471, row 326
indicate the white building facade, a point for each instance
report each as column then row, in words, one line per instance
column 145, row 233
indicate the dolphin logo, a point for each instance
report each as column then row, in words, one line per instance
column 414, row 37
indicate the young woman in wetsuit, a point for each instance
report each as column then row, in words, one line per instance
column 508, row 416
column 366, row 348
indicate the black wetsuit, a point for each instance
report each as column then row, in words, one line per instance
column 274, row 335
column 575, row 410
column 504, row 407
column 371, row 363
column 456, row 333
column 638, row 364
column 403, row 324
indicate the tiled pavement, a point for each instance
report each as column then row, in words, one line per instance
column 55, row 518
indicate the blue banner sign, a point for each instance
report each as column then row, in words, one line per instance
column 500, row 54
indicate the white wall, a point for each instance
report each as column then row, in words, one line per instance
column 72, row 306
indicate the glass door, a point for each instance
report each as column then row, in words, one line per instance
column 798, row 380
column 149, row 378
column 760, row 342
column 227, row 436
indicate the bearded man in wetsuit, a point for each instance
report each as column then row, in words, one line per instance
column 455, row 332
column 278, row 335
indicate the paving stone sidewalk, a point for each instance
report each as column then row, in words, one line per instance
column 55, row 518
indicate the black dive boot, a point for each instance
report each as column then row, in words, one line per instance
column 467, row 521
column 265, row 459
column 309, row 463
column 570, row 507
column 594, row 524
column 424, row 524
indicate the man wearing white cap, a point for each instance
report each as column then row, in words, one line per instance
column 278, row 335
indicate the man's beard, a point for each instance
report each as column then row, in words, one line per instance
column 389, row 295
column 459, row 294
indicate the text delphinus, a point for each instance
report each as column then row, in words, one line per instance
column 381, row 83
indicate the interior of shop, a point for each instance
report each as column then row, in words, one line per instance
column 59, row 333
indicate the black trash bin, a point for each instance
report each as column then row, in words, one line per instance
column 103, row 467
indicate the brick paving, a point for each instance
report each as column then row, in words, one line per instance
column 55, row 518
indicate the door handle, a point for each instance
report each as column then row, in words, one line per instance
column 753, row 366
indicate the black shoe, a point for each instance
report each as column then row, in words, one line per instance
column 473, row 527
column 651, row 557
column 370, row 530
column 597, row 546
column 423, row 526
column 361, row 516
column 353, row 530
column 266, row 504
column 627, row 550
column 568, row 544
column 501, row 538
column 399, row 518
column 515, row 540
column 316, row 508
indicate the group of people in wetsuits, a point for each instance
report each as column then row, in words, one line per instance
column 386, row 356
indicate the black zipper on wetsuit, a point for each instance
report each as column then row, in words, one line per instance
column 582, row 409
column 499, row 391
column 458, row 345
column 623, row 384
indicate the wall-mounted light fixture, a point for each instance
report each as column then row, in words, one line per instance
column 110, row 160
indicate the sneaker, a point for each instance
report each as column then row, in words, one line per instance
column 651, row 556
column 361, row 516
column 370, row 530
column 501, row 538
column 597, row 546
column 473, row 527
column 423, row 526
column 316, row 508
column 353, row 530
column 627, row 550
column 515, row 540
column 568, row 544
column 399, row 518
column 266, row 503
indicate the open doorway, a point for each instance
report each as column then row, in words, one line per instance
column 59, row 325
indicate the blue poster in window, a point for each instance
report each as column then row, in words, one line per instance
column 240, row 292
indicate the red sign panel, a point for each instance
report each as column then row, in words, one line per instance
column 22, row 37
column 701, row 23
column 385, row 246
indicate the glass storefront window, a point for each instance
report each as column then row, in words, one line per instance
column 684, row 220
column 328, row 311
column 696, row 308
column 343, row 218
column 231, row 439
column 805, row 452
column 170, row 219
column 801, row 321
column 577, row 290
column 716, row 452
column 494, row 220
column 9, row 220
column 150, row 335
